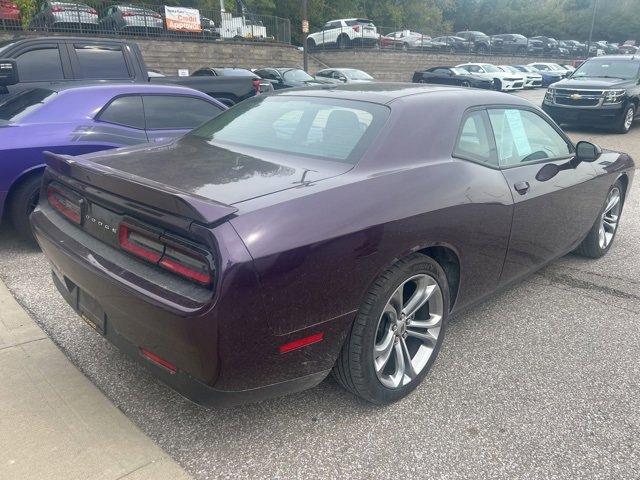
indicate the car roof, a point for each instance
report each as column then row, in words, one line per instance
column 617, row 57
column 386, row 92
column 121, row 88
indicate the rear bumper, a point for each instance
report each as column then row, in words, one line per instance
column 509, row 85
column 604, row 116
column 224, row 353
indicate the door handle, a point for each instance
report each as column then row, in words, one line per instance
column 521, row 187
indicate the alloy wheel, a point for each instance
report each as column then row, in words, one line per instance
column 610, row 218
column 408, row 331
column 628, row 119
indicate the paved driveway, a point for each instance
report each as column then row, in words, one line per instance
column 541, row 381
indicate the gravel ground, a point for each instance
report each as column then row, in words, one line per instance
column 541, row 381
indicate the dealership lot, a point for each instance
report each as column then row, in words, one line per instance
column 540, row 381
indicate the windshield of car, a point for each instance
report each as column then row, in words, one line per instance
column 18, row 106
column 5, row 46
column 296, row 75
column 459, row 71
column 508, row 68
column 234, row 72
column 490, row 68
column 324, row 128
column 608, row 68
column 354, row 74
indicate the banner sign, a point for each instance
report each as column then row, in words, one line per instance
column 182, row 19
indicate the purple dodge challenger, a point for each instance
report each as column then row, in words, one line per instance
column 318, row 230
column 84, row 119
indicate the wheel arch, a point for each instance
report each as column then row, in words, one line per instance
column 25, row 175
column 448, row 258
column 624, row 180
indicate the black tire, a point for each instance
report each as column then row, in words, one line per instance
column 465, row 84
column 354, row 369
column 311, row 44
column 343, row 42
column 497, row 85
column 23, row 200
column 481, row 49
column 405, row 47
column 621, row 125
column 590, row 246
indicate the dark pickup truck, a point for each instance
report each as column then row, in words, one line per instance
column 603, row 91
column 30, row 62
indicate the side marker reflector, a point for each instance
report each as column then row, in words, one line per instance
column 301, row 342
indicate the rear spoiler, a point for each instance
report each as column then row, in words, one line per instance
column 139, row 189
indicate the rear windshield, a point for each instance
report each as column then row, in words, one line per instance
column 296, row 75
column 359, row 21
column 609, row 68
column 329, row 129
column 235, row 72
column 354, row 74
column 18, row 106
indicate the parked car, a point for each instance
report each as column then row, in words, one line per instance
column 78, row 120
column 223, row 247
column 452, row 76
column 65, row 16
column 345, row 33
column 569, row 68
column 503, row 81
column 480, row 42
column 628, row 49
column 37, row 62
column 606, row 47
column 509, row 43
column 549, row 67
column 575, row 48
column 535, row 47
column 603, row 91
column 287, row 77
column 209, row 28
column 9, row 14
column 408, row 40
column 344, row 75
column 548, row 77
column 131, row 18
column 264, row 86
column 548, row 44
column 455, row 44
column 531, row 79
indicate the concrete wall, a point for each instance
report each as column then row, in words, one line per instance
column 399, row 66
column 167, row 56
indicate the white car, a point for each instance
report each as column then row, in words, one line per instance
column 503, row 81
column 531, row 79
column 549, row 67
column 344, row 75
column 345, row 33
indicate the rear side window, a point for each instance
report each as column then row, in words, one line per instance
column 474, row 140
column 177, row 112
column 42, row 64
column 127, row 111
column 102, row 62
column 331, row 129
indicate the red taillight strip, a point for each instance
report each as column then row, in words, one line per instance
column 124, row 233
column 184, row 271
column 158, row 360
column 301, row 342
column 55, row 197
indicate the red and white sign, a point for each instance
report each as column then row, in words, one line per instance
column 182, row 19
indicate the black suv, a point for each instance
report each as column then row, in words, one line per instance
column 480, row 42
column 603, row 91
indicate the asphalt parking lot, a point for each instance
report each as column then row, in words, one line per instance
column 541, row 381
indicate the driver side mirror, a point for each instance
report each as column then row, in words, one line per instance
column 587, row 152
column 8, row 72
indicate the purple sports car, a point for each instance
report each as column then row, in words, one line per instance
column 85, row 119
column 317, row 230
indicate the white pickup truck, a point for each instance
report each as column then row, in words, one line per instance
column 345, row 33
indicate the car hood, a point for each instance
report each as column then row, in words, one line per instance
column 593, row 82
column 226, row 174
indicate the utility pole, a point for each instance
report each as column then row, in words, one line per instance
column 305, row 32
column 593, row 22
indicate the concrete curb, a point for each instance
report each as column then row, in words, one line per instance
column 54, row 423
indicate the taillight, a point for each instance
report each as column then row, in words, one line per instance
column 156, row 15
column 65, row 202
column 127, row 14
column 58, row 9
column 140, row 243
column 256, row 85
column 356, row 28
column 168, row 252
column 93, row 11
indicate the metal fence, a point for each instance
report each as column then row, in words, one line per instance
column 96, row 17
column 386, row 38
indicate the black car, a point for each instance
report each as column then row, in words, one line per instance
column 509, row 43
column 452, row 76
column 603, row 91
column 454, row 44
column 547, row 44
column 289, row 78
column 480, row 42
column 575, row 47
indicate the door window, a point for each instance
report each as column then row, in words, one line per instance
column 523, row 136
column 106, row 63
column 474, row 140
column 177, row 112
column 41, row 64
column 125, row 111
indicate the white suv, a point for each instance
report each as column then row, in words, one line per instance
column 503, row 81
column 345, row 33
